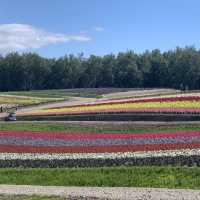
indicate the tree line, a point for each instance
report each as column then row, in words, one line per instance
column 179, row 68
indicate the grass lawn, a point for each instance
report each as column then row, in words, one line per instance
column 26, row 100
column 22, row 101
column 36, row 197
column 111, row 128
column 159, row 177
column 24, row 197
column 62, row 93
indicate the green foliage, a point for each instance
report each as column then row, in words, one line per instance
column 114, row 117
column 65, row 93
column 33, row 197
column 24, row 101
column 158, row 177
column 37, row 197
column 179, row 69
column 111, row 128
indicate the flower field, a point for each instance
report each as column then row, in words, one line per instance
column 81, row 148
column 174, row 104
column 90, row 149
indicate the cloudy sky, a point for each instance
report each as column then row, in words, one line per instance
column 55, row 28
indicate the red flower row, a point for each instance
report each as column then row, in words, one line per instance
column 91, row 135
column 96, row 149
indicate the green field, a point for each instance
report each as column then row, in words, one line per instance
column 34, row 97
column 114, row 117
column 26, row 100
column 33, row 197
column 36, row 197
column 157, row 177
column 110, row 93
column 63, row 93
column 109, row 128
column 133, row 176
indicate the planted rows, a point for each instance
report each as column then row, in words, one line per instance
column 67, row 149
column 183, row 104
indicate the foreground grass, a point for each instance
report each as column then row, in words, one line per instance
column 36, row 197
column 161, row 177
column 114, row 128
column 24, row 197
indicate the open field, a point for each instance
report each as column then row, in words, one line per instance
column 107, row 153
column 14, row 100
column 111, row 127
column 32, row 197
column 140, row 93
column 10, row 100
column 43, row 197
column 159, row 177
column 65, row 145
column 63, row 93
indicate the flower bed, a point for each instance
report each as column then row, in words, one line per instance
column 179, row 104
column 73, row 149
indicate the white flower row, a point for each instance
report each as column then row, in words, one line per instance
column 62, row 156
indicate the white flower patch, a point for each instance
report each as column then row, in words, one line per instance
column 74, row 156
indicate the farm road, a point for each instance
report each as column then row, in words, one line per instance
column 122, row 193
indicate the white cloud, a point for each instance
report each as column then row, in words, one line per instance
column 14, row 37
column 84, row 32
column 98, row 28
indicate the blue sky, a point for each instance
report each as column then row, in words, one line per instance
column 54, row 28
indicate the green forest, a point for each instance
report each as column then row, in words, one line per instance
column 179, row 68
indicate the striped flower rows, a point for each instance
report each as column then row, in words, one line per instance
column 179, row 104
column 62, row 149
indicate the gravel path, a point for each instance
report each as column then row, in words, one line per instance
column 124, row 193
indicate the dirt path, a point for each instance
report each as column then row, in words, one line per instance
column 124, row 193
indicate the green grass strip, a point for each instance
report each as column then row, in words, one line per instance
column 32, row 197
column 37, row 197
column 161, row 177
column 96, row 128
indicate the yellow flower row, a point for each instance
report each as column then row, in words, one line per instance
column 175, row 104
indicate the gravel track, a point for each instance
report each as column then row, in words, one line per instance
column 122, row 193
